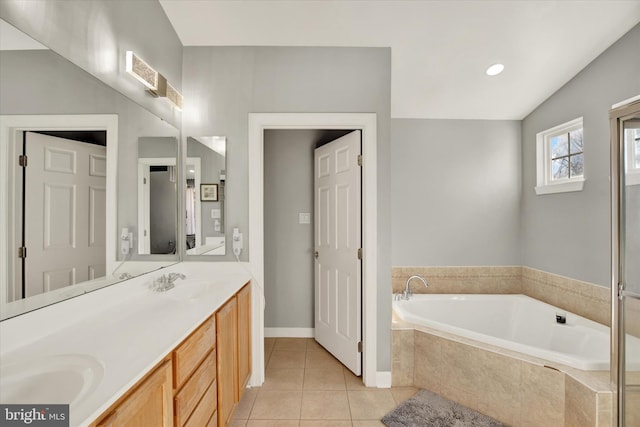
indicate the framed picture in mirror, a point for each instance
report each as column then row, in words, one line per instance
column 209, row 192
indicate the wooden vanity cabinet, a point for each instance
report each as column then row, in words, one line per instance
column 226, row 331
column 195, row 387
column 233, row 330
column 200, row 383
column 148, row 404
column 243, row 298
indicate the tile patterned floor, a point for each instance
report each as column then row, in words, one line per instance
column 305, row 386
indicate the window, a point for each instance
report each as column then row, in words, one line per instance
column 560, row 158
column 632, row 151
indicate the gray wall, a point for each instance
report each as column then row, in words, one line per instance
column 569, row 233
column 288, row 246
column 95, row 34
column 224, row 84
column 455, row 192
column 66, row 89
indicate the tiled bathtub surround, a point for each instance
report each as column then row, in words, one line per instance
column 461, row 280
column 582, row 298
column 512, row 388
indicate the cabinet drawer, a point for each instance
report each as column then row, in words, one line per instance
column 213, row 421
column 205, row 409
column 189, row 354
column 187, row 399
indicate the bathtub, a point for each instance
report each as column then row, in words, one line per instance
column 518, row 323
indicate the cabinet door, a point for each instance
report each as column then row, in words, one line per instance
column 244, row 338
column 227, row 347
column 150, row 404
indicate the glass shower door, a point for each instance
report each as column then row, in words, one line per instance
column 625, row 123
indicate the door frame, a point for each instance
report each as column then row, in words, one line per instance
column 367, row 124
column 11, row 128
column 618, row 112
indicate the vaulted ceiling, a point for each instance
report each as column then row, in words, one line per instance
column 439, row 49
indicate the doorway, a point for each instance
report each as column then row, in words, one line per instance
column 300, row 251
column 258, row 123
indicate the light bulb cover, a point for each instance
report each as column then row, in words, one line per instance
column 495, row 69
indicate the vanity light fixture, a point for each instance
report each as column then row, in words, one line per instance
column 495, row 69
column 155, row 82
column 141, row 71
column 174, row 96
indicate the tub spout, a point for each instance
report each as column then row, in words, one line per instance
column 406, row 294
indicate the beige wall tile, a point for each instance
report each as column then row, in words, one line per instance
column 460, row 280
column 542, row 396
column 582, row 298
column 604, row 410
column 367, row 423
column 579, row 404
column 632, row 409
column 459, row 375
column 632, row 316
column 429, row 370
column 499, row 379
column 402, row 347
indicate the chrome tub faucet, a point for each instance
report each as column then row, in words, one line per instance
column 406, row 294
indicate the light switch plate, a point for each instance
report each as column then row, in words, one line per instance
column 304, row 218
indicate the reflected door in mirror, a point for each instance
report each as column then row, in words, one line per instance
column 62, row 217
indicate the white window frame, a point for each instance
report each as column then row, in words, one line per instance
column 544, row 183
column 632, row 172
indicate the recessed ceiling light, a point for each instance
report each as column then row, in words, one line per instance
column 495, row 69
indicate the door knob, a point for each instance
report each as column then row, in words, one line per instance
column 316, row 254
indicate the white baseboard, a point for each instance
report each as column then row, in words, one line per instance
column 289, row 332
column 383, row 379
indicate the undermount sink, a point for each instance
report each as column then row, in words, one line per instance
column 56, row 379
column 189, row 290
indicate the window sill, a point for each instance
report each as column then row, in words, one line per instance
column 563, row 187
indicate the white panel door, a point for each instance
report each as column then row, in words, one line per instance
column 65, row 205
column 338, row 278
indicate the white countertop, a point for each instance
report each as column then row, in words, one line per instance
column 129, row 329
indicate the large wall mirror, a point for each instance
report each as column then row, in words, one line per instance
column 205, row 189
column 77, row 217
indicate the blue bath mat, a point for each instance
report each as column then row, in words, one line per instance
column 427, row 409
